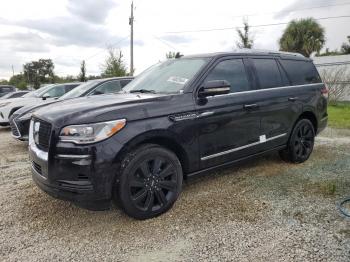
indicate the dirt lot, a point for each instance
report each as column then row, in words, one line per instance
column 264, row 210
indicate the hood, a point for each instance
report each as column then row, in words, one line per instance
column 100, row 108
column 32, row 107
column 22, row 101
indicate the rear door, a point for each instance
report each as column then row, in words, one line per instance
column 279, row 102
column 227, row 128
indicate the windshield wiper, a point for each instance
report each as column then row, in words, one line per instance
column 143, row 91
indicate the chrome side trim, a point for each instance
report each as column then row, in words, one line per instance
column 204, row 114
column 323, row 119
column 261, row 90
column 241, row 147
column 73, row 156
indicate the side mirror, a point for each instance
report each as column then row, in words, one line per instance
column 214, row 88
column 44, row 97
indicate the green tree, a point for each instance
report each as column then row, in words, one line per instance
column 304, row 36
column 82, row 75
column 345, row 48
column 245, row 37
column 3, row 82
column 18, row 81
column 37, row 72
column 170, row 55
column 114, row 64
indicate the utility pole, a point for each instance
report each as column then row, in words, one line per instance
column 13, row 71
column 131, row 23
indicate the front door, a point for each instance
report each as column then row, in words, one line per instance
column 228, row 125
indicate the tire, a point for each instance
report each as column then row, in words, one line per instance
column 149, row 181
column 300, row 144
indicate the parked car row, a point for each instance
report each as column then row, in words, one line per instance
column 20, row 119
column 180, row 118
column 5, row 89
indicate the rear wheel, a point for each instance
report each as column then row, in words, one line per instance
column 301, row 142
column 150, row 181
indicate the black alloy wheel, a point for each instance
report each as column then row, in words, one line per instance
column 301, row 143
column 150, row 183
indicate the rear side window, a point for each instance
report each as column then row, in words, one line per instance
column 301, row 72
column 232, row 71
column 268, row 73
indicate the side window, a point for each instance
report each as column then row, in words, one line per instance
column 125, row 82
column 56, row 91
column 232, row 71
column 301, row 72
column 268, row 73
column 108, row 87
column 70, row 87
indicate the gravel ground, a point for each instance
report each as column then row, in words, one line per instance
column 262, row 210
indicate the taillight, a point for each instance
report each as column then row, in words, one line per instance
column 325, row 91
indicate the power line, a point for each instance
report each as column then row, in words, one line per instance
column 112, row 45
column 292, row 10
column 165, row 43
column 261, row 25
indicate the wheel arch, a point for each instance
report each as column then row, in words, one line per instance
column 310, row 116
column 159, row 137
column 14, row 110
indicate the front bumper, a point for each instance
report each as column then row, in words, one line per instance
column 83, row 175
column 4, row 113
column 19, row 128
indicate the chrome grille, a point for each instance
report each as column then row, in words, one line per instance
column 43, row 135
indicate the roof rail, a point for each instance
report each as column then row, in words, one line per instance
column 271, row 52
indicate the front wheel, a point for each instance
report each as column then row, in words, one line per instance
column 149, row 181
column 301, row 142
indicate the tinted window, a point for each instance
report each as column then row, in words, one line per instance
column 19, row 94
column 108, row 87
column 232, row 71
column 70, row 87
column 301, row 72
column 56, row 91
column 268, row 73
column 125, row 82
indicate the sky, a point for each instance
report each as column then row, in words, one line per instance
column 69, row 31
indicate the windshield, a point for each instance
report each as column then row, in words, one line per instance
column 80, row 90
column 38, row 92
column 167, row 77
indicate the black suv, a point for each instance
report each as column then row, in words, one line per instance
column 179, row 118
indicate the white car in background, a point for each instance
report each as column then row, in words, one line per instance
column 50, row 92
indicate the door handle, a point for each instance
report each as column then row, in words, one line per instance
column 292, row 99
column 251, row 106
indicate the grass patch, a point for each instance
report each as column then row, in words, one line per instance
column 339, row 115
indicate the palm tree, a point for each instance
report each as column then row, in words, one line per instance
column 304, row 36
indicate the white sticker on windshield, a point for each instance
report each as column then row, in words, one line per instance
column 177, row 80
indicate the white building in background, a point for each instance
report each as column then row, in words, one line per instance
column 331, row 63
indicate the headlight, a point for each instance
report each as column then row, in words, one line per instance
column 91, row 133
column 4, row 104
